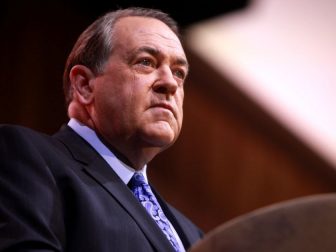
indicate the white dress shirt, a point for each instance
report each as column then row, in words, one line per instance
column 124, row 171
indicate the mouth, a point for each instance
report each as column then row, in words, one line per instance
column 166, row 106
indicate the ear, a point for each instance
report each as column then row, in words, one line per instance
column 82, row 81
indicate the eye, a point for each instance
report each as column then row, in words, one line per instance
column 179, row 74
column 146, row 62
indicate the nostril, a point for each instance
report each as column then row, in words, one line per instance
column 160, row 89
column 165, row 87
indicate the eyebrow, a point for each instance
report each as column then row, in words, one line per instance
column 155, row 52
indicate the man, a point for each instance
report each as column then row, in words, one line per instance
column 123, row 83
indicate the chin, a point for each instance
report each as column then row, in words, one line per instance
column 160, row 135
column 160, row 139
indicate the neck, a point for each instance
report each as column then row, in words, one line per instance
column 134, row 156
column 133, row 152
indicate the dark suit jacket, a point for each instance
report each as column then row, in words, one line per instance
column 58, row 194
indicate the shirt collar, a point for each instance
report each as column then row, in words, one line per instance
column 124, row 171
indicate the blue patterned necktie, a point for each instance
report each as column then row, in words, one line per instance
column 144, row 194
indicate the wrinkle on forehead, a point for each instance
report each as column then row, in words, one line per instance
column 170, row 38
column 163, row 41
column 136, row 32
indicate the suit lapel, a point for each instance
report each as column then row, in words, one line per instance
column 96, row 167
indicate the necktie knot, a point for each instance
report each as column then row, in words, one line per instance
column 137, row 180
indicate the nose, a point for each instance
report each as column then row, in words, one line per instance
column 166, row 83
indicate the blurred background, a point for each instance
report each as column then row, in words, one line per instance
column 259, row 122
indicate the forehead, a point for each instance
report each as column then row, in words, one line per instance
column 134, row 32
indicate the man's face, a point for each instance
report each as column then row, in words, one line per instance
column 139, row 96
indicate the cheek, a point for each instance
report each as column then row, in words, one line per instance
column 179, row 103
column 133, row 104
column 109, row 100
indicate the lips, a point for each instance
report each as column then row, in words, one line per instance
column 165, row 106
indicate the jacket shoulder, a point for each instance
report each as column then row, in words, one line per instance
column 12, row 130
column 21, row 137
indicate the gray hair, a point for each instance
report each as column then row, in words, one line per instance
column 95, row 44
